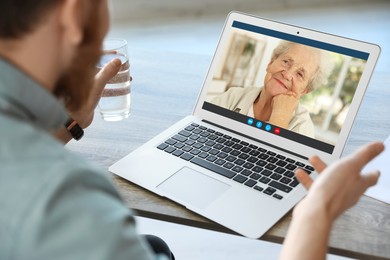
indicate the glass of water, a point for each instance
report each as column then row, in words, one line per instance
column 114, row 105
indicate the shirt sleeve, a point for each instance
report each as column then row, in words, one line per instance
column 83, row 217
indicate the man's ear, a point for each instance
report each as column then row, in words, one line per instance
column 71, row 21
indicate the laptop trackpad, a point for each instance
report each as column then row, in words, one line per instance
column 193, row 187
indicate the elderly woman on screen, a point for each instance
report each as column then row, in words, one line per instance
column 293, row 71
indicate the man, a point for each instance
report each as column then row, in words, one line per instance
column 56, row 206
column 293, row 71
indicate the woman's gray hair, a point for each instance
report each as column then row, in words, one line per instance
column 324, row 68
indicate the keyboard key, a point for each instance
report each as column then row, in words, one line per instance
column 276, row 176
column 220, row 162
column 255, row 176
column 227, row 149
column 187, row 148
column 280, row 186
column 237, row 169
column 170, row 149
column 270, row 166
column 211, row 158
column 285, row 180
column 280, row 170
column 235, row 140
column 246, row 149
column 246, row 172
column 197, row 131
column 252, row 146
column 222, row 155
column 243, row 156
column 202, row 127
column 244, row 143
column 272, row 160
column 210, row 130
column 228, row 165
column 263, row 156
column 189, row 142
column 194, row 137
column 239, row 162
column 265, row 180
column 205, row 148
column 266, row 173
column 240, row 178
column 235, row 153
column 162, row 146
column 227, row 137
column 281, row 163
column 252, row 159
column 248, row 165
column 187, row 156
column 210, row 143
column 254, row 153
column 214, row 151
column 257, row 169
column 262, row 150
column 299, row 164
column 290, row 167
column 229, row 143
column 189, row 128
column 184, row 133
column 269, row 191
column 258, row 188
column 294, row 183
column 202, row 140
column 179, row 145
column 237, row 146
column 177, row 153
column 219, row 133
column 218, row 146
column 289, row 174
column 195, row 152
column 310, row 168
column 194, row 125
column 279, row 197
column 179, row 138
column 221, row 140
column 215, row 168
column 213, row 137
column 281, row 157
column 203, row 155
column 261, row 163
column 171, row 141
column 271, row 153
column 290, row 160
column 230, row 158
column 250, row 183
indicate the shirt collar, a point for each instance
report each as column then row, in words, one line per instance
column 29, row 101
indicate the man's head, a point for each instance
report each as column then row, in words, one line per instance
column 71, row 30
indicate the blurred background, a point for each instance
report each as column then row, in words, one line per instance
column 194, row 27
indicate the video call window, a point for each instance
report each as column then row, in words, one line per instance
column 294, row 86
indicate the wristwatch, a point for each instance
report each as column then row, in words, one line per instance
column 74, row 129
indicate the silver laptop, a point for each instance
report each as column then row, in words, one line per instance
column 232, row 160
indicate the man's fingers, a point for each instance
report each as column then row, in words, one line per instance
column 108, row 72
column 370, row 179
column 366, row 154
column 317, row 163
column 303, row 178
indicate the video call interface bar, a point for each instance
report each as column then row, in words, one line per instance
column 327, row 148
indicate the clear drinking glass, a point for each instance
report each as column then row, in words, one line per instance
column 114, row 105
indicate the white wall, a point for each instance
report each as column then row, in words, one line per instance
column 151, row 10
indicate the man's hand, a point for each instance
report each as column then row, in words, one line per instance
column 84, row 115
column 283, row 107
column 340, row 185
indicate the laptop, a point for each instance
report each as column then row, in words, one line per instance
column 226, row 163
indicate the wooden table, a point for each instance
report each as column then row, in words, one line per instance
column 164, row 90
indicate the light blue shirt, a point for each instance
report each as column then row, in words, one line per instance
column 53, row 204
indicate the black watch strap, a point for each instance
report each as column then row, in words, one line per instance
column 74, row 129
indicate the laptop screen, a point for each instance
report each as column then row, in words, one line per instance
column 294, row 87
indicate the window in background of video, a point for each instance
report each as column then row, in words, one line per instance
column 244, row 63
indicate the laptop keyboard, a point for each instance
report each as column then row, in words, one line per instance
column 255, row 167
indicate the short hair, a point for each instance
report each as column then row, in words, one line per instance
column 19, row 17
column 324, row 67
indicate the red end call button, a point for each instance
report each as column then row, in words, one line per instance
column 277, row 130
